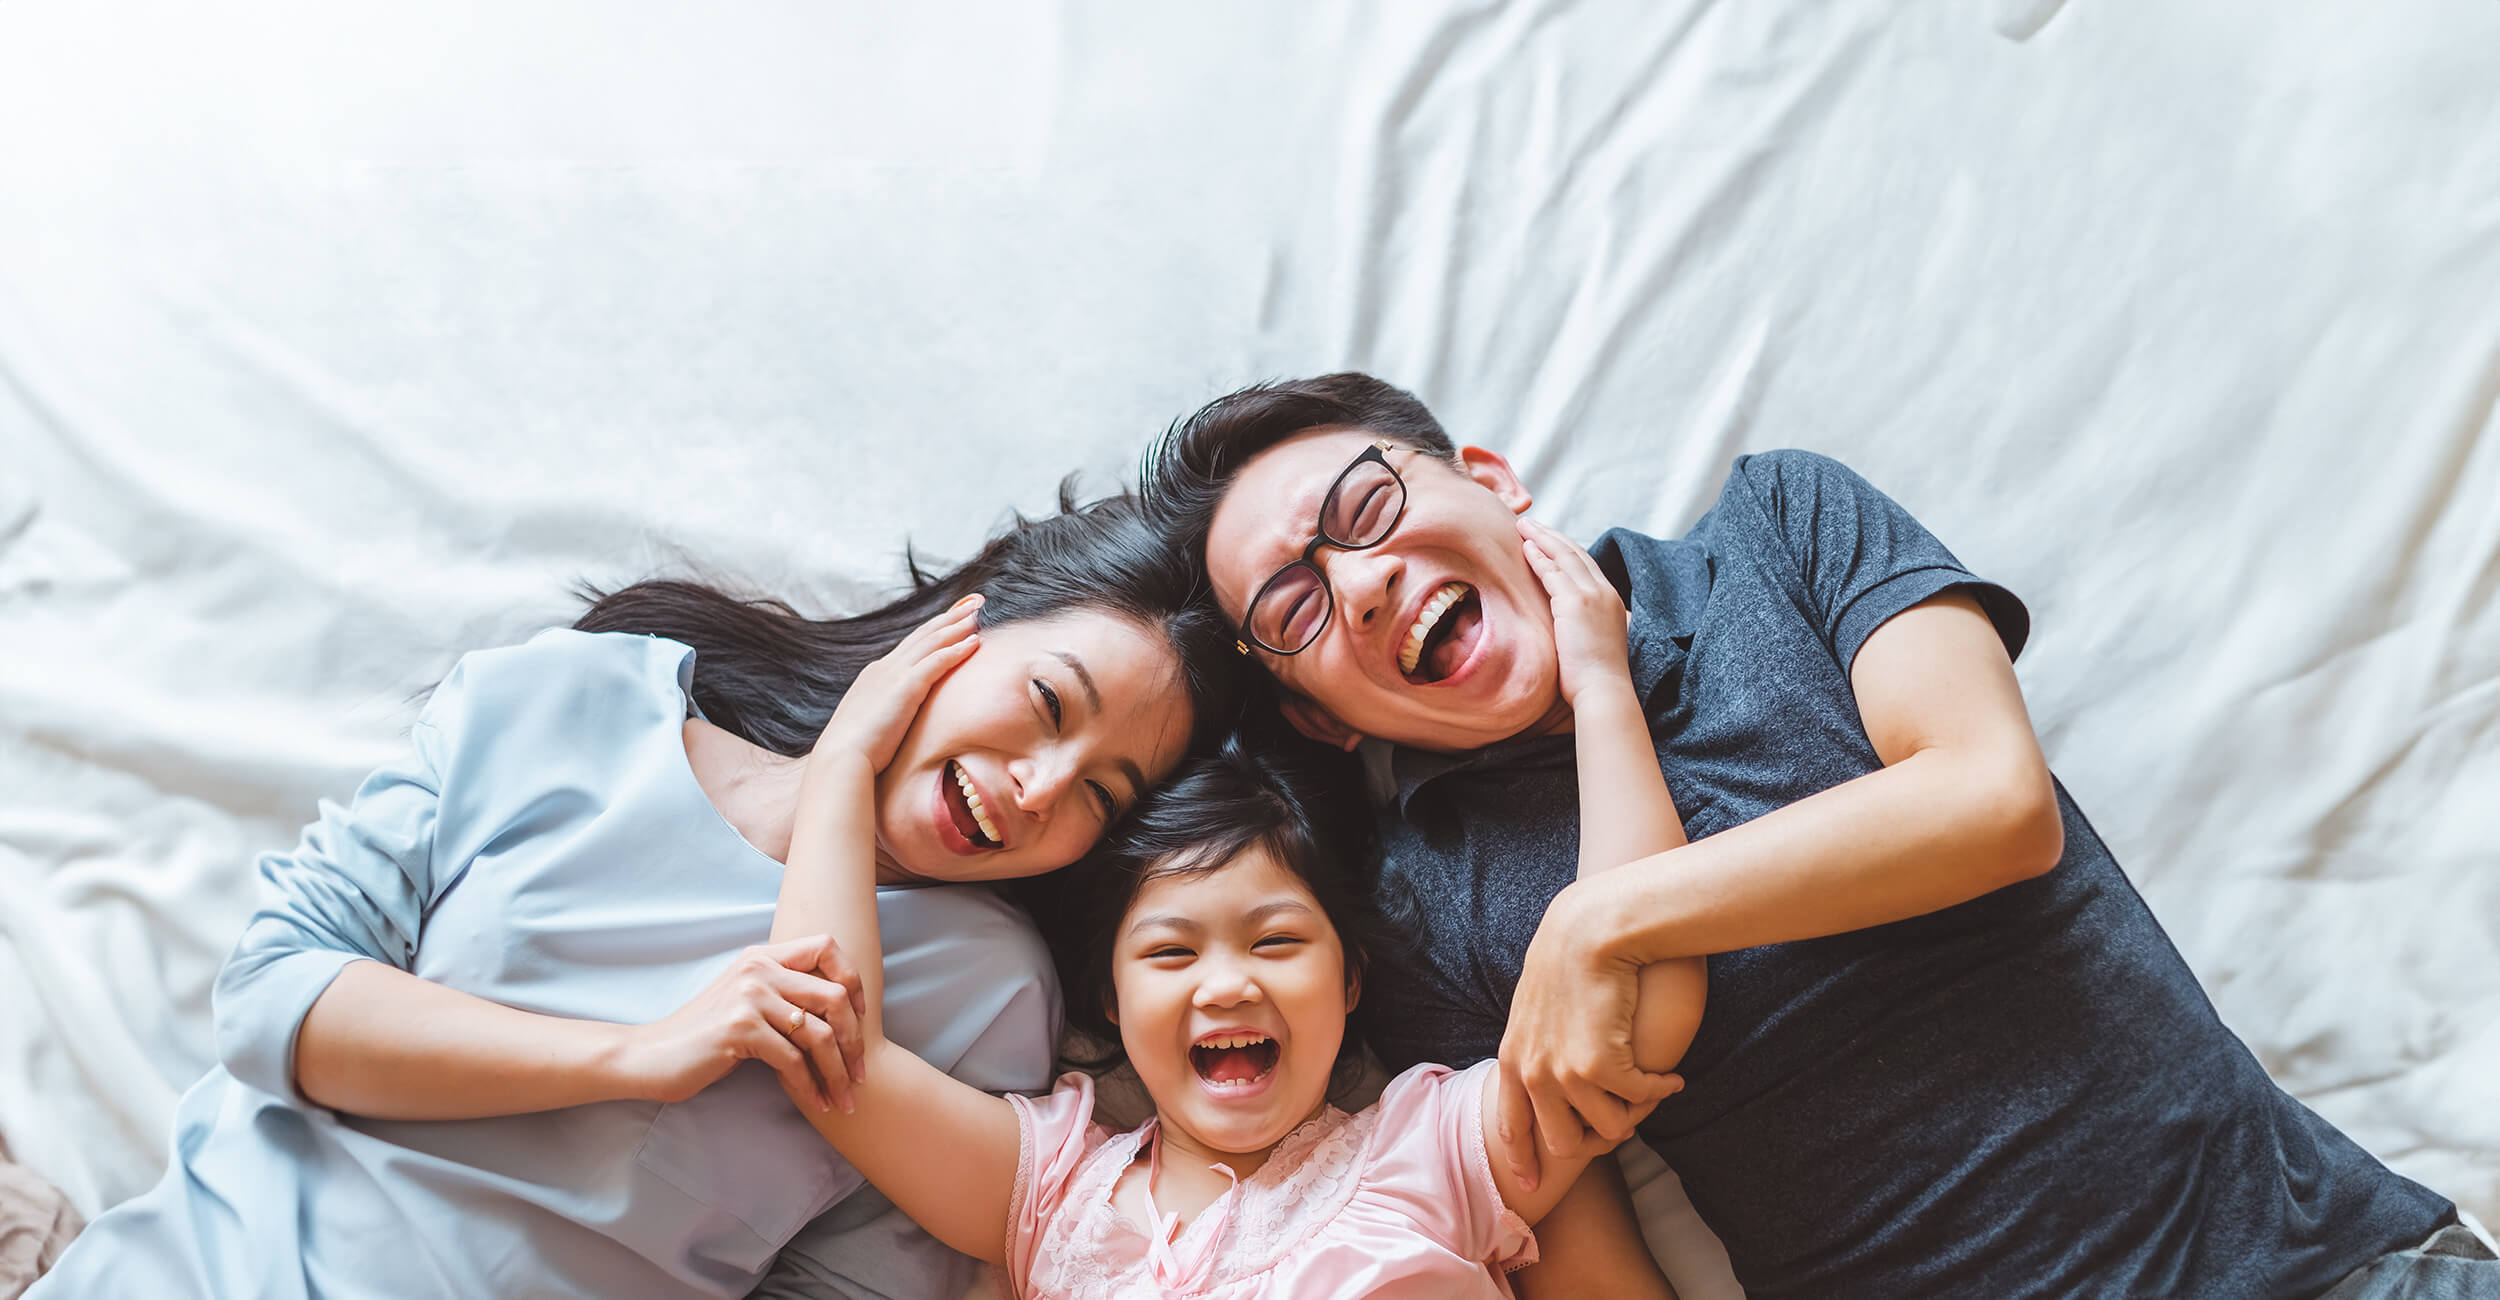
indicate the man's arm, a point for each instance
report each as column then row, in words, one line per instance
column 1963, row 806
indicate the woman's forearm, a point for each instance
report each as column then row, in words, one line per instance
column 385, row 1044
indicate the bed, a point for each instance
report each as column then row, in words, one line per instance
column 336, row 339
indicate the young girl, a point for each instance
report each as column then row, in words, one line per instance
column 1223, row 960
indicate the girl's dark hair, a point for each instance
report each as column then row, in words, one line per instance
column 773, row 676
column 1304, row 809
column 1188, row 469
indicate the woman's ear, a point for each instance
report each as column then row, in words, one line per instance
column 1353, row 986
column 1316, row 722
column 1495, row 475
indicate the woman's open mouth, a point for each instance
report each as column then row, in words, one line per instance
column 1444, row 634
column 1234, row 1064
column 964, row 809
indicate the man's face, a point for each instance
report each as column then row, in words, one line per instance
column 1453, row 567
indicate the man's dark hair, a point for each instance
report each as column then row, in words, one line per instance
column 1188, row 469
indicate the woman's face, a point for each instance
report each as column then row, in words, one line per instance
column 1023, row 754
column 1231, row 994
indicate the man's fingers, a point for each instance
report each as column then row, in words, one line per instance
column 1514, row 1128
column 1656, row 1088
column 1557, row 1126
column 1601, row 1111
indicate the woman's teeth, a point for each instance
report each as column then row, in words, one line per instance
column 972, row 800
column 1426, row 619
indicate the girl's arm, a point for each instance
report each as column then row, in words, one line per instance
column 942, row 1150
column 1626, row 813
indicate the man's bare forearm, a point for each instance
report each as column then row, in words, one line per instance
column 1936, row 829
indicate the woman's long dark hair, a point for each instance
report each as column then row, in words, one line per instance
column 773, row 676
column 1302, row 803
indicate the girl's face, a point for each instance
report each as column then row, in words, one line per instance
column 1231, row 992
column 1024, row 753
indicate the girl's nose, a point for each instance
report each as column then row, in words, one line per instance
column 1226, row 985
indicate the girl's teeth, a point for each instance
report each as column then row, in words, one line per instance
column 1426, row 619
column 972, row 800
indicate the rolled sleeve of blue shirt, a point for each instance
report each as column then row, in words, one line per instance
column 1859, row 557
column 354, row 888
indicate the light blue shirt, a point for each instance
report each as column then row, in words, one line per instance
column 545, row 846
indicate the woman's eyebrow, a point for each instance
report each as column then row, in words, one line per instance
column 1093, row 698
column 1093, row 694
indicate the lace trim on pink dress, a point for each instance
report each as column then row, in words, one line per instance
column 1304, row 1183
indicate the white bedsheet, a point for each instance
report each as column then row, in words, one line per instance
column 337, row 338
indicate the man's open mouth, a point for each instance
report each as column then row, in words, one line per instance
column 1443, row 635
column 1238, row 1060
column 963, row 804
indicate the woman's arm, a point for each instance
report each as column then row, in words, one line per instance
column 383, row 1043
column 317, row 1002
column 944, row 1151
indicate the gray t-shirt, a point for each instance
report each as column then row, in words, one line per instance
column 2025, row 1094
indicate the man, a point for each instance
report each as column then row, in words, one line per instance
column 1947, row 1050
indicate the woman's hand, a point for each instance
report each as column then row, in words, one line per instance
column 881, row 705
column 1592, row 630
column 1569, row 1083
column 795, row 1006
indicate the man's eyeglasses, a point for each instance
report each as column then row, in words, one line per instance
column 1361, row 508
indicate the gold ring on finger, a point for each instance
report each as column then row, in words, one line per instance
column 797, row 1018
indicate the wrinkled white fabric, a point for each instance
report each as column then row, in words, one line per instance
column 335, row 339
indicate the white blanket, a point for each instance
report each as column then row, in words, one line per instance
column 338, row 338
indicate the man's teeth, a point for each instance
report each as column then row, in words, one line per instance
column 972, row 799
column 1426, row 619
column 1233, row 1040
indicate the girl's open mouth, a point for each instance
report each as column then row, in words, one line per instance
column 1235, row 1062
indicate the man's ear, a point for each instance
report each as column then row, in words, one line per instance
column 1315, row 722
column 1489, row 469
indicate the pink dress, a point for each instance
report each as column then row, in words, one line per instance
column 1395, row 1201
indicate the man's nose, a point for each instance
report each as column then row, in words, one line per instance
column 1366, row 584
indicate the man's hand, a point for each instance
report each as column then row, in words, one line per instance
column 1569, row 1085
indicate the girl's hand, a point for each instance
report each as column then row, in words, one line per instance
column 1592, row 630
column 773, row 1004
column 881, row 705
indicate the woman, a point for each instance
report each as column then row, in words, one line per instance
column 480, row 1039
